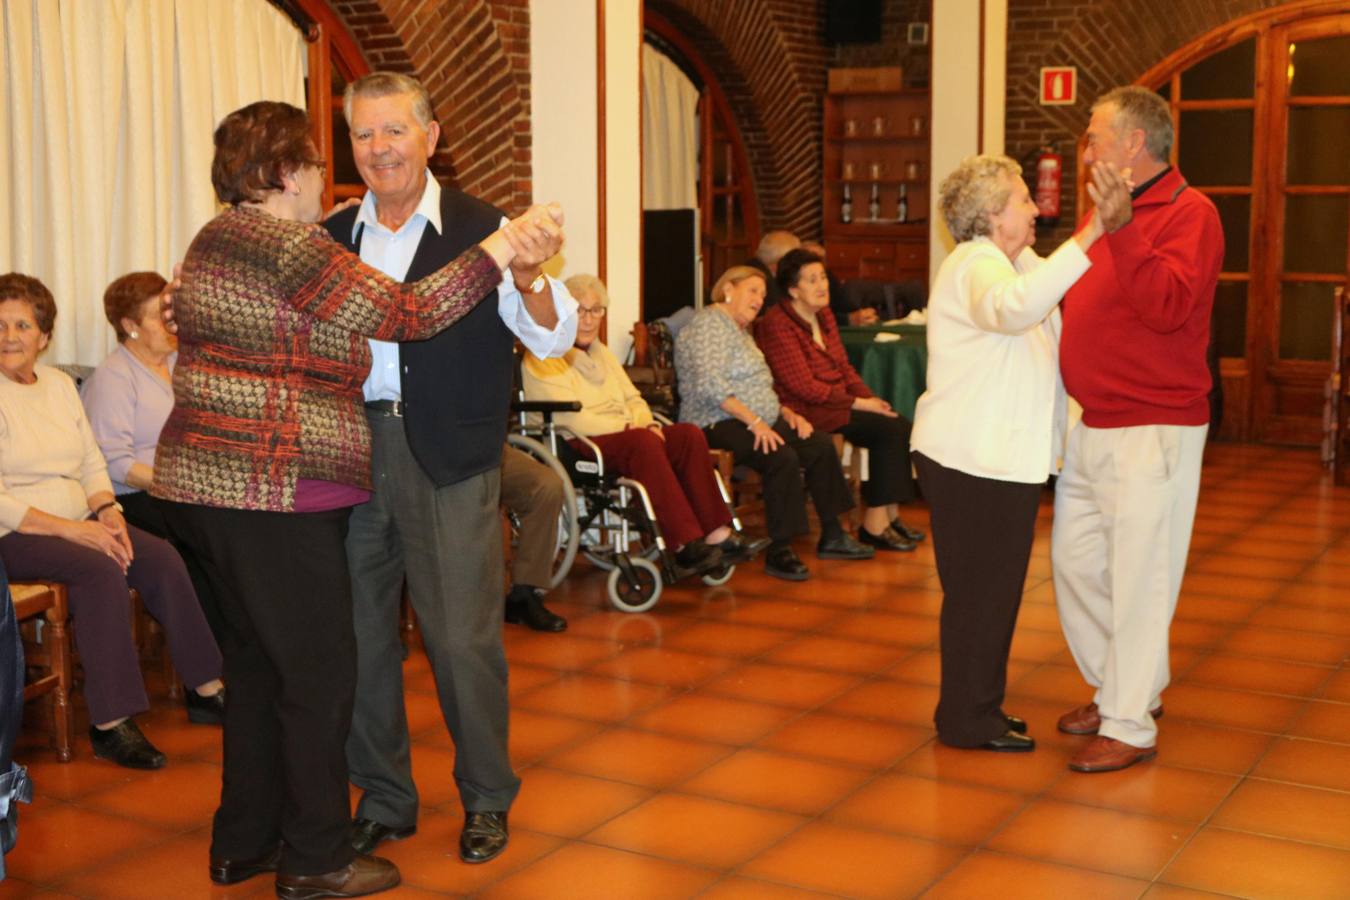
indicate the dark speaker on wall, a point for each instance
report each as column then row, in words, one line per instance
column 852, row 21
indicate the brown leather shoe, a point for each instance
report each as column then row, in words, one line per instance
column 1087, row 720
column 363, row 875
column 1106, row 754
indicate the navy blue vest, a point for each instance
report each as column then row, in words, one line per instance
column 456, row 385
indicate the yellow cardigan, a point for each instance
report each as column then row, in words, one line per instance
column 609, row 401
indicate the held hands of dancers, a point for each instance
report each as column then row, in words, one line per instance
column 1113, row 208
column 528, row 240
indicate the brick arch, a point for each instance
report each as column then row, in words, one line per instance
column 1112, row 42
column 768, row 56
column 474, row 58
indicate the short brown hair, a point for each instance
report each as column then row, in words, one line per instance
column 123, row 298
column 14, row 286
column 256, row 146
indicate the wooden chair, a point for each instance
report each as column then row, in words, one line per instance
column 43, row 614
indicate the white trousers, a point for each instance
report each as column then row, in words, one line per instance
column 1124, row 507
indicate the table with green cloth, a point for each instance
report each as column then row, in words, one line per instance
column 896, row 371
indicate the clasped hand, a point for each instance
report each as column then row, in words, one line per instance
column 536, row 235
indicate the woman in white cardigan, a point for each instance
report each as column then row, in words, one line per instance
column 984, row 430
column 671, row 461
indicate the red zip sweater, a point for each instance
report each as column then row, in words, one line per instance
column 1137, row 324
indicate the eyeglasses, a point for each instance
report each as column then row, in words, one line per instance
column 595, row 312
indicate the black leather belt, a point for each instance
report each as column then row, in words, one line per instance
column 386, row 407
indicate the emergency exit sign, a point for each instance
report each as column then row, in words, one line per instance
column 1059, row 85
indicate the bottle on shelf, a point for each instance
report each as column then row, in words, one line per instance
column 902, row 210
column 846, row 209
column 874, row 204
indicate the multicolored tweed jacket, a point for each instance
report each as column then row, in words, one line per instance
column 273, row 317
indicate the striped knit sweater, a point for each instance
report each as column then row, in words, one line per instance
column 273, row 317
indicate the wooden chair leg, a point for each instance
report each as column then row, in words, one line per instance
column 63, row 714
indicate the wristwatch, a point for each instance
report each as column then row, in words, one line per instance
column 111, row 504
column 536, row 286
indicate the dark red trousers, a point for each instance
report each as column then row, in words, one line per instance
column 678, row 476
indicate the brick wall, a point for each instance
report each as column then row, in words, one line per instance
column 474, row 58
column 1111, row 42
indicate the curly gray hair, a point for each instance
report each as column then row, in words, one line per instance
column 976, row 190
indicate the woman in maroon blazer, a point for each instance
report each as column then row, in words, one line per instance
column 811, row 373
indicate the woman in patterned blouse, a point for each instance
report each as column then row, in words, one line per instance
column 265, row 452
column 726, row 388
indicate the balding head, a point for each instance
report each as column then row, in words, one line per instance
column 774, row 246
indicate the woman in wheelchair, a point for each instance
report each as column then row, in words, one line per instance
column 671, row 461
column 811, row 372
column 727, row 389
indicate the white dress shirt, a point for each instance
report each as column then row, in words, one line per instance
column 392, row 253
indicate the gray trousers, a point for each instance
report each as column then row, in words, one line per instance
column 447, row 540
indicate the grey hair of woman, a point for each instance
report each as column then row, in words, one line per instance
column 581, row 284
column 977, row 189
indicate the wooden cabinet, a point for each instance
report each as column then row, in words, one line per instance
column 876, row 152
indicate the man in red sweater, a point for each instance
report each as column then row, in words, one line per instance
column 1133, row 354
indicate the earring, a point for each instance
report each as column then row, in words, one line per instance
column 133, row 334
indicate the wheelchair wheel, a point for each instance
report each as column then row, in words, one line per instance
column 568, row 537
column 718, row 576
column 634, row 584
column 603, row 558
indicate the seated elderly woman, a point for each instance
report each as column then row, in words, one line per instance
column 670, row 461
column 985, row 428
column 726, row 388
column 60, row 521
column 127, row 400
column 811, row 373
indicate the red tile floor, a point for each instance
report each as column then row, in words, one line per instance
column 773, row 740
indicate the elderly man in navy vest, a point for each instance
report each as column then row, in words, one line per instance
column 438, row 413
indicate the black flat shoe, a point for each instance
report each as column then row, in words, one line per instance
column 205, row 710
column 910, row 534
column 367, row 834
column 484, row 836
column 783, row 562
column 889, row 539
column 531, row 612
column 1010, row 742
column 736, row 549
column 696, row 556
column 843, row 547
column 125, row 745
column 233, row 871
column 1015, row 724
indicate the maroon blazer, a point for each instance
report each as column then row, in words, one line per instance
column 819, row 384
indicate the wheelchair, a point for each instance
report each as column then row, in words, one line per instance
column 606, row 517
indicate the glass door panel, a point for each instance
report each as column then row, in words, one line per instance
column 1216, row 146
column 1305, row 320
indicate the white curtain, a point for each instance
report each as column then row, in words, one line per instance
column 107, row 108
column 669, row 134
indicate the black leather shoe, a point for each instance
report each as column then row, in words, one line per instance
column 125, row 745
column 367, row 834
column 484, row 836
column 1010, row 742
column 913, row 535
column 843, row 547
column 529, row 610
column 736, row 549
column 205, row 710
column 233, row 871
column 696, row 556
column 363, row 875
column 1015, row 724
column 889, row 539
column 783, row 562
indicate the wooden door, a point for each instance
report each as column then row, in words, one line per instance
column 1307, row 235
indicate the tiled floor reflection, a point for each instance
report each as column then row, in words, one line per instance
column 773, row 740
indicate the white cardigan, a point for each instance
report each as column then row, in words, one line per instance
column 995, row 402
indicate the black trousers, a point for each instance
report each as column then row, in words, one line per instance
column 782, row 472
column 145, row 513
column 290, row 663
column 887, row 441
column 982, row 534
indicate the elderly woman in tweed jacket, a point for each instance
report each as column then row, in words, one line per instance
column 266, row 451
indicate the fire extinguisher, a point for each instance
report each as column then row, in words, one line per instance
column 1049, row 172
